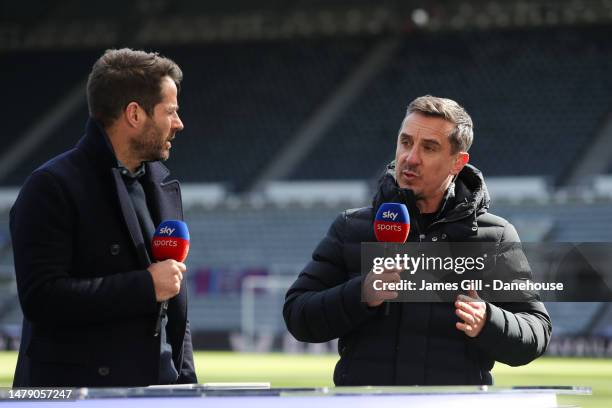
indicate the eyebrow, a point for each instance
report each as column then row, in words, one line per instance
column 428, row 141
column 431, row 141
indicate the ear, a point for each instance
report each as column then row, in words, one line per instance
column 460, row 161
column 134, row 115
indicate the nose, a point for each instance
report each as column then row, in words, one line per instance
column 178, row 123
column 412, row 158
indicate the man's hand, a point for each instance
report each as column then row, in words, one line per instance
column 377, row 297
column 167, row 276
column 473, row 311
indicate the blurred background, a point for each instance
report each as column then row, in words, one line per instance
column 291, row 111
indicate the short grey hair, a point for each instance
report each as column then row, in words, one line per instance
column 462, row 136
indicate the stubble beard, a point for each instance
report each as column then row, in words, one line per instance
column 150, row 145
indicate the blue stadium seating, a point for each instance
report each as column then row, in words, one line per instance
column 536, row 96
column 34, row 82
column 240, row 102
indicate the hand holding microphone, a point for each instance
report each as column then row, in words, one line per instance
column 170, row 246
column 374, row 297
column 167, row 276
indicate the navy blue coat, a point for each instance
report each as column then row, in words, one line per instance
column 80, row 261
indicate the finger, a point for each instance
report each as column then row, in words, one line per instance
column 182, row 267
column 386, row 295
column 470, row 300
column 390, row 277
column 466, row 328
column 476, row 308
column 465, row 298
column 180, row 276
column 466, row 317
column 466, row 307
column 385, row 279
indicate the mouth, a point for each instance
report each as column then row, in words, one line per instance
column 410, row 175
column 168, row 142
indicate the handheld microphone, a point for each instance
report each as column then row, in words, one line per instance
column 392, row 224
column 171, row 241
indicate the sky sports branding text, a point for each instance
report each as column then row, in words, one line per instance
column 166, row 231
column 390, row 215
column 165, row 243
column 390, row 227
column 412, row 264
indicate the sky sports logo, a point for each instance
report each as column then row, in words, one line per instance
column 390, row 215
column 166, row 231
column 392, row 223
column 390, row 227
column 165, row 242
column 171, row 241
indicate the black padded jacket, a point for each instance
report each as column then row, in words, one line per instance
column 414, row 343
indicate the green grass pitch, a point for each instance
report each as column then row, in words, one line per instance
column 290, row 370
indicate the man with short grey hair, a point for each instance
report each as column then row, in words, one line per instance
column 417, row 343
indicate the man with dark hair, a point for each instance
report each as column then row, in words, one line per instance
column 417, row 343
column 82, row 227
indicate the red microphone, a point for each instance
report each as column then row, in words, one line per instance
column 391, row 224
column 171, row 241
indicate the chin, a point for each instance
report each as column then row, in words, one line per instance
column 161, row 156
column 417, row 192
column 404, row 184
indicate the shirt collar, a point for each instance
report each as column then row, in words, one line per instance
column 140, row 171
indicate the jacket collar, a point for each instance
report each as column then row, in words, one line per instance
column 164, row 195
column 467, row 195
column 98, row 147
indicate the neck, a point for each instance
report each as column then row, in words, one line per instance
column 122, row 149
column 428, row 205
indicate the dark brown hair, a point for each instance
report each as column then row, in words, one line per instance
column 120, row 77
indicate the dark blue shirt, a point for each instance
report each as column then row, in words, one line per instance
column 167, row 372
